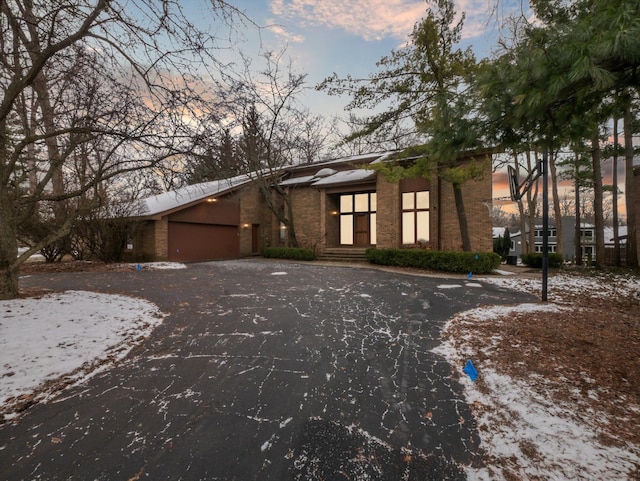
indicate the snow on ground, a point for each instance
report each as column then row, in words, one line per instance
column 524, row 433
column 67, row 335
column 70, row 333
column 158, row 265
column 562, row 285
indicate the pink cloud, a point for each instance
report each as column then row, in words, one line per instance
column 371, row 20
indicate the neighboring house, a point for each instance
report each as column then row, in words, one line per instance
column 336, row 203
column 587, row 239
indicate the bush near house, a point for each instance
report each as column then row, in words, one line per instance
column 448, row 261
column 534, row 259
column 295, row 253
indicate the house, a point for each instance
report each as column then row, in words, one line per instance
column 587, row 239
column 335, row 204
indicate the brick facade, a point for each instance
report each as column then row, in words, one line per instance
column 308, row 217
column 477, row 196
column 161, row 239
column 387, row 214
column 316, row 214
column 255, row 220
column 317, row 222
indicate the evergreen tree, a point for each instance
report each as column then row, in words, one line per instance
column 429, row 83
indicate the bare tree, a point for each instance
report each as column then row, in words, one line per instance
column 274, row 127
column 92, row 89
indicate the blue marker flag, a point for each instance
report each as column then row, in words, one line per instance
column 470, row 370
column 470, row 275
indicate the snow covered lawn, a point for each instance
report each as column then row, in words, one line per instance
column 549, row 403
column 66, row 337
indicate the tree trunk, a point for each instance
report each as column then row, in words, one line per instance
column 462, row 218
column 291, row 231
column 597, row 198
column 632, row 238
column 557, row 211
column 614, row 191
column 524, row 239
column 532, row 204
column 578, row 226
column 8, row 234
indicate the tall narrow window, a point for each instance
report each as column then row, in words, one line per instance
column 415, row 217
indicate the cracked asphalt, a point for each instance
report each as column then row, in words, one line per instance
column 264, row 370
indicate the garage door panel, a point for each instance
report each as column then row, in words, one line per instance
column 190, row 242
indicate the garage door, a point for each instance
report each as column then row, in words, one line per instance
column 201, row 242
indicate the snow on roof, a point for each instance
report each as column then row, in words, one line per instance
column 609, row 237
column 373, row 157
column 193, row 193
column 344, row 177
column 305, row 179
column 186, row 195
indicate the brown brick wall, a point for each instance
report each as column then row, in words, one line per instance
column 253, row 210
column 477, row 198
column 332, row 220
column 308, row 217
column 477, row 202
column 388, row 214
column 161, row 236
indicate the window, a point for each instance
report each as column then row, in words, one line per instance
column 352, row 209
column 551, row 248
column 586, row 233
column 415, row 217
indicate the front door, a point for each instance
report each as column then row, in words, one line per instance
column 362, row 230
column 255, row 238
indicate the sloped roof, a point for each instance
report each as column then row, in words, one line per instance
column 327, row 176
column 336, row 178
column 189, row 194
column 345, row 177
column 324, row 176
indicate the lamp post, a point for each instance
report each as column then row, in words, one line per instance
column 544, row 167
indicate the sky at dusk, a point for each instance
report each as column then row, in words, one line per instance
column 348, row 37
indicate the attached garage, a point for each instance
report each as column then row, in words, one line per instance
column 196, row 223
column 197, row 242
column 205, row 231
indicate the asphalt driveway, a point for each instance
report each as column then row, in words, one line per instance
column 264, row 370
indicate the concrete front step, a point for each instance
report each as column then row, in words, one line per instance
column 343, row 254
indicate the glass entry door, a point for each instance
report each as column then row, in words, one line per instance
column 358, row 219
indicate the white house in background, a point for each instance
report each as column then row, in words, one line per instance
column 587, row 239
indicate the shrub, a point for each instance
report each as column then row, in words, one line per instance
column 534, row 259
column 295, row 253
column 448, row 261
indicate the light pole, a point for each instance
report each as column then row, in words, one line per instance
column 545, row 223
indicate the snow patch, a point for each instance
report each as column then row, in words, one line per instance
column 53, row 336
